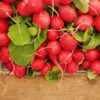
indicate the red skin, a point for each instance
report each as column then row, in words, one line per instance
column 6, row 10
column 56, row 22
column 53, row 47
column 52, row 35
column 72, row 67
column 78, row 55
column 65, row 56
column 97, row 23
column 84, row 22
column 9, row 1
column 49, row 2
column 3, row 25
column 4, row 55
column 68, row 42
column 67, row 13
column 9, row 66
column 38, row 64
column 94, row 7
column 95, row 66
column 42, row 19
column 45, row 69
column 92, row 54
column 86, row 64
column 35, row 6
column 63, row 66
column 42, row 52
column 19, row 71
column 23, row 9
column 4, row 40
column 65, row 2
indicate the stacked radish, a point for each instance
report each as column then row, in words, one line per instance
column 50, row 37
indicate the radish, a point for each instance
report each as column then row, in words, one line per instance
column 78, row 55
column 56, row 22
column 54, row 59
column 72, row 67
column 67, row 13
column 9, row 1
column 68, row 42
column 52, row 2
column 23, row 9
column 42, row 19
column 5, row 10
column 95, row 66
column 52, row 35
column 34, row 6
column 9, row 66
column 84, row 22
column 42, row 52
column 4, row 54
column 92, row 54
column 53, row 47
column 64, row 56
column 94, row 7
column 86, row 64
column 19, row 71
column 4, row 40
column 63, row 66
column 97, row 23
column 3, row 25
column 45, row 69
column 38, row 64
column 65, row 2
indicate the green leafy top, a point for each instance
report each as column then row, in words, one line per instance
column 83, row 5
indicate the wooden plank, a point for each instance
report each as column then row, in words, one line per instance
column 71, row 88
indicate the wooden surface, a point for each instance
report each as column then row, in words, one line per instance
column 71, row 88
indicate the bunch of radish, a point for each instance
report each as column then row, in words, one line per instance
column 50, row 37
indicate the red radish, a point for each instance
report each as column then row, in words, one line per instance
column 52, row 35
column 56, row 22
column 78, row 55
column 54, row 59
column 4, row 40
column 42, row 19
column 92, row 54
column 34, row 6
column 64, row 56
column 84, row 22
column 9, row 1
column 67, row 13
column 68, row 42
column 86, row 64
column 42, row 52
column 95, row 66
column 9, row 66
column 72, row 67
column 3, row 25
column 97, row 23
column 19, row 71
column 38, row 64
column 63, row 66
column 23, row 9
column 65, row 2
column 94, row 7
column 45, row 69
column 52, row 2
column 5, row 10
column 53, row 47
column 5, row 54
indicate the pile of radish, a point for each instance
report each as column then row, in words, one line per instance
column 50, row 37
